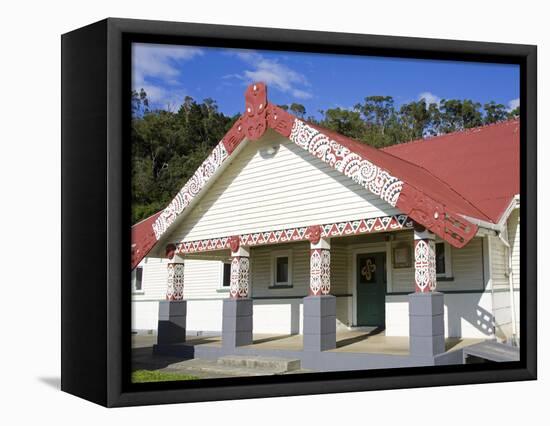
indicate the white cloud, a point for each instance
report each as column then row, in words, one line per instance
column 273, row 73
column 152, row 62
column 429, row 97
column 513, row 104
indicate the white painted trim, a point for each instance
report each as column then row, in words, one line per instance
column 514, row 204
column 424, row 235
column 274, row 255
column 354, row 250
column 482, row 223
column 490, row 255
column 324, row 243
column 503, row 236
column 241, row 252
column 503, row 218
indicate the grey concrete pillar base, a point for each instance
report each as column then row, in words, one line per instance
column 172, row 322
column 237, row 322
column 426, row 324
column 319, row 323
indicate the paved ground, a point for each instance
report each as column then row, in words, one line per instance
column 347, row 341
column 143, row 359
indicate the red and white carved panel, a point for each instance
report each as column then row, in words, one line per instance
column 339, row 229
column 240, row 277
column 357, row 168
column 174, row 290
column 190, row 190
column 424, row 266
column 319, row 275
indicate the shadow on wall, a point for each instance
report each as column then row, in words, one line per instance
column 467, row 307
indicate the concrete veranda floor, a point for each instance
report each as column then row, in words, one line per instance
column 346, row 341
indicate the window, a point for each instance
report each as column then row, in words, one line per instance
column 281, row 269
column 440, row 258
column 443, row 265
column 226, row 280
column 137, row 278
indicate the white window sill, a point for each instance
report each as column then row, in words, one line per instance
column 280, row 285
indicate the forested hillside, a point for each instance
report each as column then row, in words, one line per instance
column 168, row 146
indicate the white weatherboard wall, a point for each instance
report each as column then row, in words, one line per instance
column 202, row 287
column 280, row 310
column 262, row 192
column 466, row 315
column 468, row 301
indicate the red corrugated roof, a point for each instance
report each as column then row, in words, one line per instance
column 480, row 164
column 143, row 238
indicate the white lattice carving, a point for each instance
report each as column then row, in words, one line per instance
column 174, row 290
column 319, row 272
column 240, row 277
column 424, row 266
column 360, row 170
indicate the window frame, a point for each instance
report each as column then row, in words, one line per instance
column 448, row 274
column 274, row 256
column 135, row 290
column 221, row 288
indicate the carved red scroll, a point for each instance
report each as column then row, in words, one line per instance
column 424, row 210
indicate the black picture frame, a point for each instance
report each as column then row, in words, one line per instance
column 96, row 220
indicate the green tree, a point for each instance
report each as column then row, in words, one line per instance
column 377, row 110
column 494, row 112
column 417, row 119
column 343, row 121
column 298, row 109
column 167, row 148
column 455, row 115
column 140, row 103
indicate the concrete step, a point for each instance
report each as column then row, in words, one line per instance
column 279, row 365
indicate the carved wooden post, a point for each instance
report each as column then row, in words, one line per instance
column 424, row 261
column 426, row 306
column 173, row 310
column 238, row 309
column 319, row 267
column 319, row 305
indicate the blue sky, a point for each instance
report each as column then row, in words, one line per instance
column 168, row 73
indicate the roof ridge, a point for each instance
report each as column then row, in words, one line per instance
column 457, row 132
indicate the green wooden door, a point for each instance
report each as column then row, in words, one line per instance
column 371, row 289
